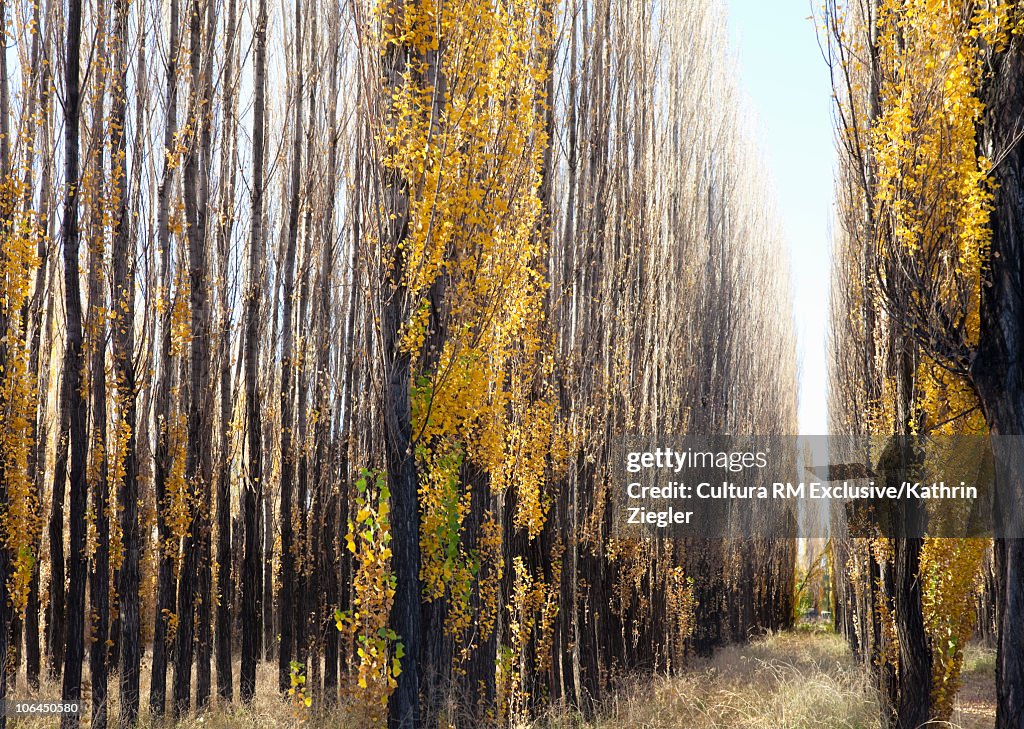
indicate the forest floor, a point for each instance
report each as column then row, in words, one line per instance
column 798, row 680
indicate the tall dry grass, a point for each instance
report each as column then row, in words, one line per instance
column 783, row 681
column 268, row 710
column 801, row 680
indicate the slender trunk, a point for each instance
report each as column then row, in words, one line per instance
column 406, row 614
column 99, row 574
column 55, row 614
column 225, row 585
column 162, row 465
column 40, row 436
column 74, row 364
column 252, row 496
column 287, row 577
column 267, row 555
column 5, row 99
column 8, row 641
column 123, row 296
column 331, row 523
column 204, row 611
column 198, row 464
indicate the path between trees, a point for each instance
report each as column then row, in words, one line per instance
column 798, row 680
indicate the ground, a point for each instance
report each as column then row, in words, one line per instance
column 800, row 680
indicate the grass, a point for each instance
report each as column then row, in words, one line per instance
column 976, row 698
column 268, row 709
column 784, row 681
column 801, row 680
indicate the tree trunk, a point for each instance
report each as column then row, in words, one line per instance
column 162, row 465
column 55, row 606
column 40, row 322
column 7, row 612
column 99, row 574
column 998, row 371
column 225, row 585
column 204, row 611
column 252, row 496
column 123, row 296
column 74, row 364
column 287, row 576
column 406, row 615
column 198, row 464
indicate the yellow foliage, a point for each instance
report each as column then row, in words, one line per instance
column 950, row 571
column 467, row 133
column 179, row 495
column 19, row 513
column 181, row 321
column 933, row 192
column 933, row 201
column 378, row 649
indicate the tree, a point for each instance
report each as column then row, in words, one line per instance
column 225, row 583
column 252, row 496
column 199, row 469
column 163, row 458
column 403, row 709
column 995, row 370
column 19, row 519
column 123, row 297
column 287, row 595
column 93, row 185
column 74, row 366
column 913, row 81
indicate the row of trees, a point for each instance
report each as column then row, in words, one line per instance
column 926, row 319
column 318, row 335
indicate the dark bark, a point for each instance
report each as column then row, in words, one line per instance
column 406, row 617
column 198, row 463
column 913, row 706
column 405, row 613
column 225, row 583
column 162, row 465
column 327, row 465
column 911, row 702
column 71, row 688
column 55, row 606
column 123, row 296
column 267, row 555
column 997, row 370
column 204, row 610
column 287, row 577
column 252, row 496
column 99, row 573
column 38, row 319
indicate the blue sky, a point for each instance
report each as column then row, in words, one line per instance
column 786, row 80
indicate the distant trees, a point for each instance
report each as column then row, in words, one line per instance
column 655, row 191
column 343, row 380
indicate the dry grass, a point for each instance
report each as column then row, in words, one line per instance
column 804, row 680
column 268, row 710
column 976, row 701
column 782, row 681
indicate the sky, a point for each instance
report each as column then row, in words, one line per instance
column 785, row 78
